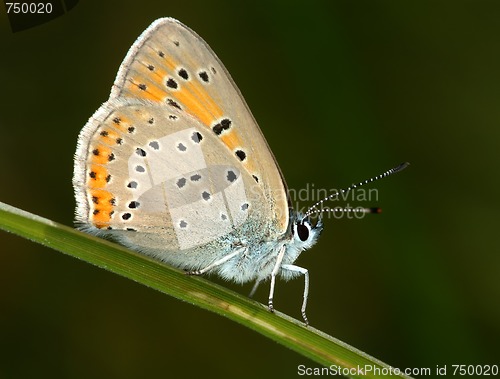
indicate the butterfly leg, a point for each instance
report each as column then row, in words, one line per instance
column 304, row 272
column 216, row 263
column 254, row 288
column 275, row 271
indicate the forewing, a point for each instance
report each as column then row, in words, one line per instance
column 171, row 65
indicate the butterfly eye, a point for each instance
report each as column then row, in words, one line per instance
column 302, row 231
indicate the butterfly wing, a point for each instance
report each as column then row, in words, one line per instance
column 155, row 179
column 170, row 64
column 174, row 161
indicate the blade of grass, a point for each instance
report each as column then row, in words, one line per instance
column 291, row 333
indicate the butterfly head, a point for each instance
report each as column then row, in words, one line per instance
column 305, row 233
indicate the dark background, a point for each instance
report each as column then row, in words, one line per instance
column 342, row 91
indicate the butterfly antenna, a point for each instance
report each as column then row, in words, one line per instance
column 314, row 207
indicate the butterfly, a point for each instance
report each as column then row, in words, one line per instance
column 174, row 166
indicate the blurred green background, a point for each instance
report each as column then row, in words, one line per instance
column 342, row 91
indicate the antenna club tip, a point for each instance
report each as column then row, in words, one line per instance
column 375, row 210
column 402, row 166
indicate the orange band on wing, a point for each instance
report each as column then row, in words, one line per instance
column 101, row 207
column 207, row 112
column 231, row 139
column 100, row 155
column 140, row 90
column 109, row 137
column 98, row 176
column 148, row 81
